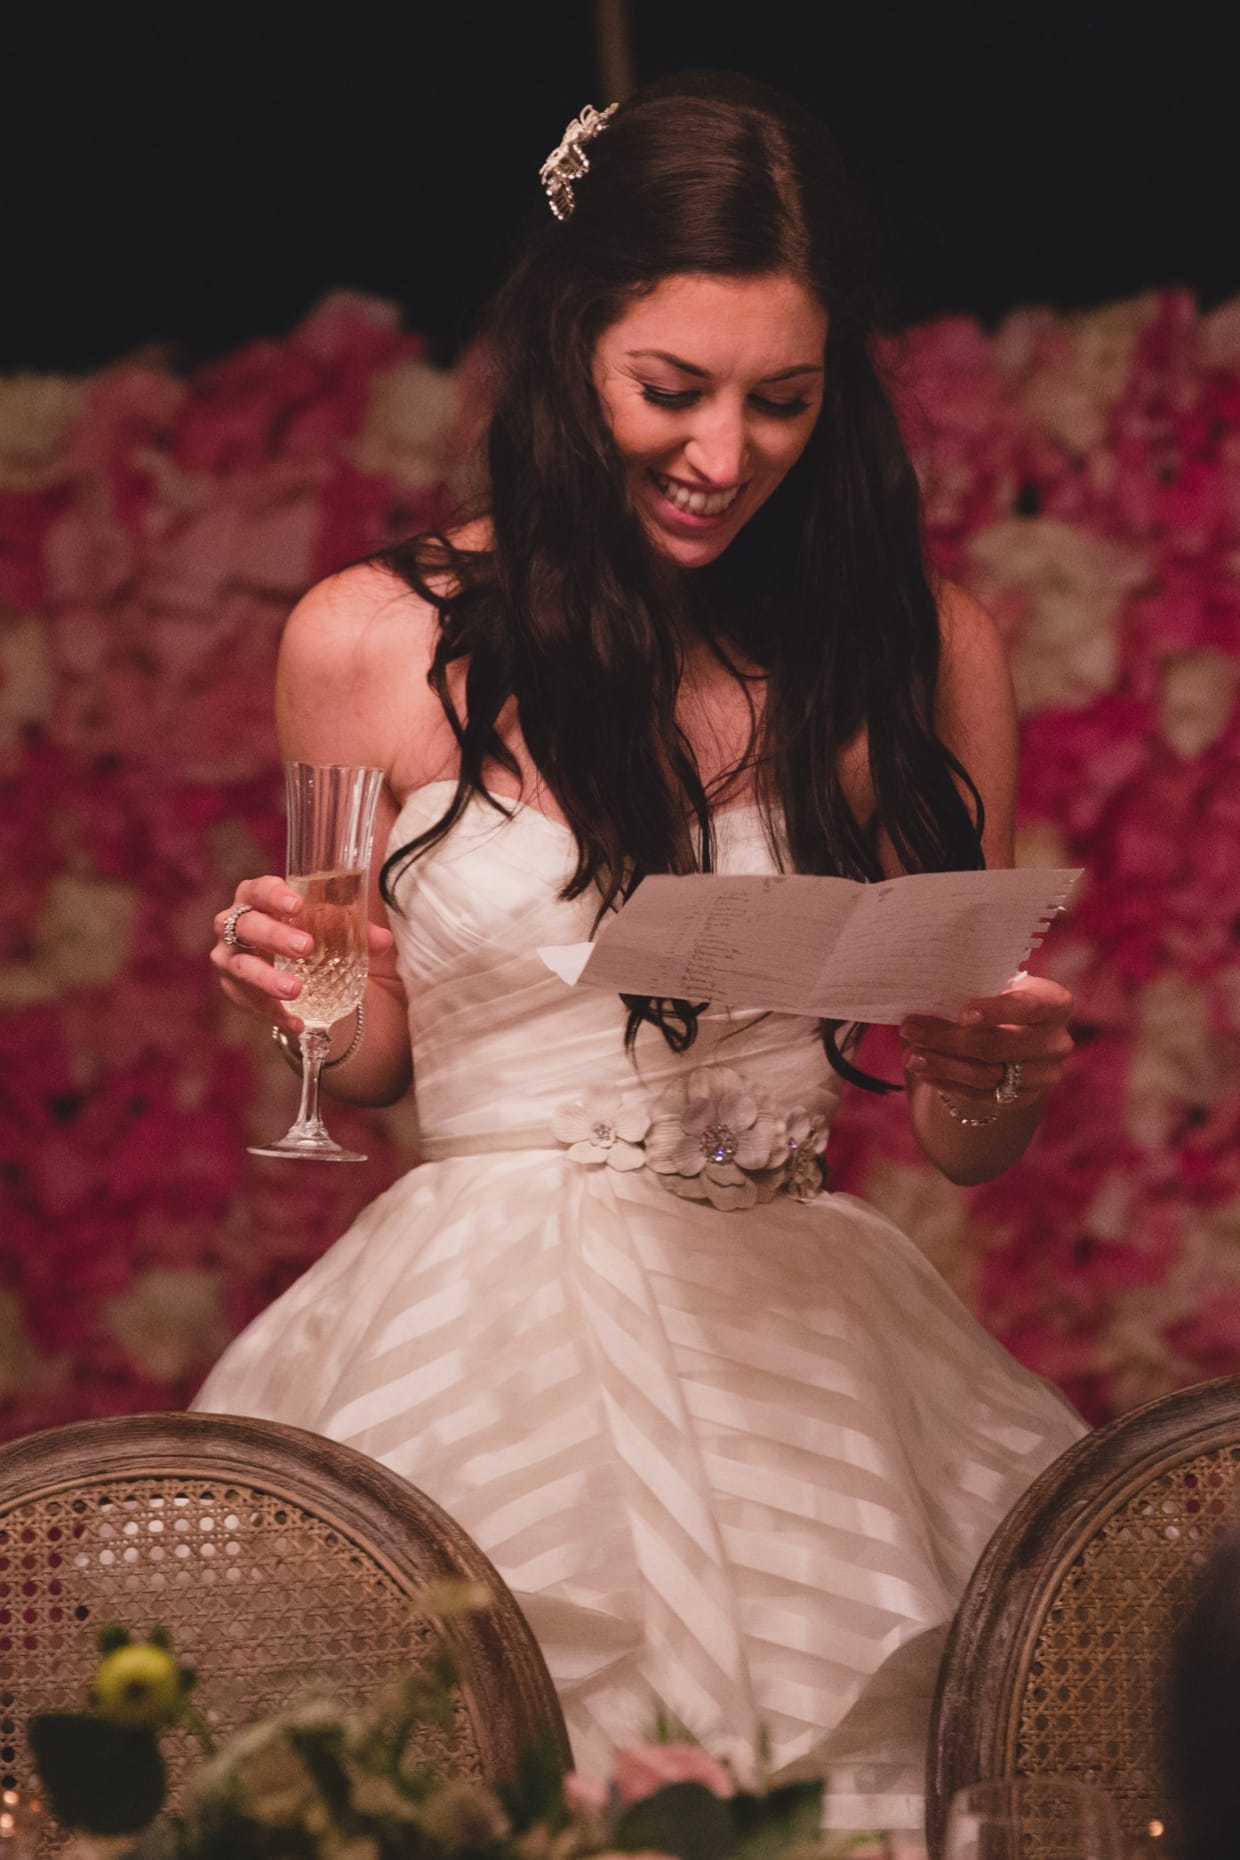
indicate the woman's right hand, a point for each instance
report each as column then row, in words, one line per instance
column 266, row 928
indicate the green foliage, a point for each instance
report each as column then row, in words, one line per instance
column 536, row 1793
column 106, row 1778
column 684, row 1819
column 316, row 1782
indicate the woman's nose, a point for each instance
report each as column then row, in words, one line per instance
column 716, row 447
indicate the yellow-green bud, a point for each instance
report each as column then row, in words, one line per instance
column 138, row 1684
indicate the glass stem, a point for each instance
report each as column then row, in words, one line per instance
column 315, row 1043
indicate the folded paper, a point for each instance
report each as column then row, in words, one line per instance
column 834, row 948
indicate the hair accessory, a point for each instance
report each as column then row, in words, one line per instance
column 1007, row 1091
column 292, row 1054
column 233, row 917
column 569, row 161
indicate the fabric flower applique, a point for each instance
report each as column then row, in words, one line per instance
column 808, row 1126
column 602, row 1126
column 713, row 1137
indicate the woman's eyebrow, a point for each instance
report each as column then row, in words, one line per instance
column 690, row 368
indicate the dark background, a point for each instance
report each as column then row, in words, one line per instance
column 193, row 179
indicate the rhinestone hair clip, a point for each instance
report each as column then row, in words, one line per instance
column 569, row 161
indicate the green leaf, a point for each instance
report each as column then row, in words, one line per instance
column 536, row 1793
column 768, row 1824
column 106, row 1778
column 684, row 1818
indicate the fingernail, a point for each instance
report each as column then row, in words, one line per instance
column 303, row 944
column 971, row 1016
column 290, row 987
column 290, row 902
column 914, row 1062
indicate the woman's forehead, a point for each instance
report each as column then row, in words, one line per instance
column 711, row 319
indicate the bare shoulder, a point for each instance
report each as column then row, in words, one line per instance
column 351, row 680
column 966, row 628
column 973, row 665
column 351, row 618
column 975, row 710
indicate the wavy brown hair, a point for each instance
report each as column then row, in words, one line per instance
column 571, row 612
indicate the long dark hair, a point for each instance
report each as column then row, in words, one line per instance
column 572, row 613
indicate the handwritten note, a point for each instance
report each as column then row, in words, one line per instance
column 829, row 947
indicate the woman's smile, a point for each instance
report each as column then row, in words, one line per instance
column 711, row 386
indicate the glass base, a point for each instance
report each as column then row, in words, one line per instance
column 306, row 1150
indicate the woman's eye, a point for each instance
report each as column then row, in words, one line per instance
column 669, row 397
column 782, row 409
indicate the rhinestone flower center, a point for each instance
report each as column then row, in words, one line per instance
column 603, row 1134
column 718, row 1143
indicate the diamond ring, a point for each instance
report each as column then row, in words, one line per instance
column 230, row 926
column 1007, row 1091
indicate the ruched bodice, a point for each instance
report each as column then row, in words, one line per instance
column 499, row 1041
column 728, row 1437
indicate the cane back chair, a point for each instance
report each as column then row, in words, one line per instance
column 1058, row 1657
column 280, row 1562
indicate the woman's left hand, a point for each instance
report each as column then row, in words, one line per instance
column 968, row 1058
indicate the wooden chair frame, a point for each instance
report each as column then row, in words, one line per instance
column 994, row 1642
column 400, row 1540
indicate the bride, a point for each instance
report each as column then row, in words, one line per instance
column 727, row 1436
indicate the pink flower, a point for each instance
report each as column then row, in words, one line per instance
column 583, row 1795
column 641, row 1769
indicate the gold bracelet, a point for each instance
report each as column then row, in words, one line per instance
column 292, row 1054
column 958, row 1116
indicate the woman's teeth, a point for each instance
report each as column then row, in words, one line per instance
column 697, row 503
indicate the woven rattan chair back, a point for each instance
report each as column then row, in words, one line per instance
column 1059, row 1654
column 281, row 1563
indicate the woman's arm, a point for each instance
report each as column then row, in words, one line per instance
column 954, row 1067
column 350, row 688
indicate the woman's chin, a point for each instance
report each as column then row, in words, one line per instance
column 690, row 549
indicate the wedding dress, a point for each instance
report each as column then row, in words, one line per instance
column 737, row 1462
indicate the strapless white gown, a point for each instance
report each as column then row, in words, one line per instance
column 737, row 1464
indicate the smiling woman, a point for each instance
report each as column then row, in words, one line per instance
column 711, row 387
column 727, row 1436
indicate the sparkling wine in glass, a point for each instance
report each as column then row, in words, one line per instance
column 331, row 818
column 1045, row 1817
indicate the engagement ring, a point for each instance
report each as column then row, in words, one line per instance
column 230, row 926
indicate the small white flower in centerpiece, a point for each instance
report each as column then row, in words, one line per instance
column 602, row 1126
column 713, row 1138
column 808, row 1126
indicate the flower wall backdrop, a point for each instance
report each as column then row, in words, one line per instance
column 1082, row 477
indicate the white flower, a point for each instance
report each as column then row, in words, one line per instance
column 412, row 411
column 603, row 1127
column 27, row 678
column 83, row 938
column 171, row 1320
column 37, row 413
column 1178, row 1059
column 1060, row 588
column 1072, row 390
column 808, row 1126
column 712, row 1138
column 1197, row 697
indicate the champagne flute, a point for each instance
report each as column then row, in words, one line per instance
column 331, row 819
column 1044, row 1817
